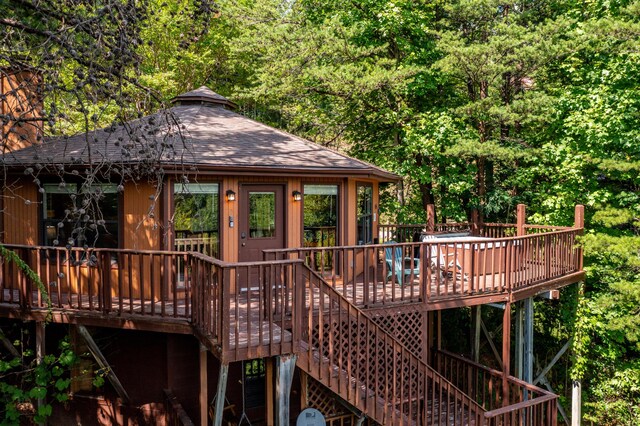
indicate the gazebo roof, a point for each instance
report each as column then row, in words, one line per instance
column 200, row 131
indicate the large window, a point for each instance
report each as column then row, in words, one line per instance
column 320, row 215
column 196, row 218
column 365, row 214
column 77, row 215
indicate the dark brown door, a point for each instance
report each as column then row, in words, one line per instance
column 261, row 220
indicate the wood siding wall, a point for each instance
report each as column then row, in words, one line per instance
column 21, row 216
column 141, row 230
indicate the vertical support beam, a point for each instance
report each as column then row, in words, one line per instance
column 476, row 311
column 519, row 362
column 269, row 397
column 286, row 368
column 220, row 396
column 439, row 326
column 576, row 403
column 506, row 352
column 204, row 398
column 528, row 340
column 426, row 336
column 40, row 352
column 521, row 217
column 431, row 217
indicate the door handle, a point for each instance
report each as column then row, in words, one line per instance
column 243, row 235
column 244, row 244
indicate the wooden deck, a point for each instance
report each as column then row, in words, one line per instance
column 188, row 287
column 312, row 302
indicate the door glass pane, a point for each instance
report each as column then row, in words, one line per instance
column 365, row 209
column 262, row 214
column 320, row 215
column 196, row 218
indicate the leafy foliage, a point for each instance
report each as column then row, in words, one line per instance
column 24, row 380
column 477, row 104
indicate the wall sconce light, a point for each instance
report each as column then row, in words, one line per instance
column 231, row 196
column 297, row 196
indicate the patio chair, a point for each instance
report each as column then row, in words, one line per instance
column 400, row 265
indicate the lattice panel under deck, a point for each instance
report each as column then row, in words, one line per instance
column 406, row 326
column 322, row 399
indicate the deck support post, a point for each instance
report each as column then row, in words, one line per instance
column 220, row 394
column 284, row 380
column 506, row 352
column 527, row 358
column 476, row 311
column 576, row 403
column 439, row 332
column 204, row 398
column 40, row 352
column 519, row 361
column 427, row 336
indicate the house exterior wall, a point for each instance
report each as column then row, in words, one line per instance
column 141, row 228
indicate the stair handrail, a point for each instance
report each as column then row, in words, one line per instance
column 474, row 409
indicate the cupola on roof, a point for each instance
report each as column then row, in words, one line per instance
column 204, row 96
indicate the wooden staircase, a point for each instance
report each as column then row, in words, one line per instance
column 346, row 351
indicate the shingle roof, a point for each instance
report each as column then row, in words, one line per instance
column 199, row 134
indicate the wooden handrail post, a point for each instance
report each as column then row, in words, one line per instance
column 579, row 224
column 297, row 305
column 579, row 216
column 431, row 217
column 521, row 217
column 105, row 266
column 225, row 299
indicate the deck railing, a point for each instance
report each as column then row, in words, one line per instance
column 247, row 308
column 525, row 404
column 244, row 308
column 140, row 283
column 443, row 268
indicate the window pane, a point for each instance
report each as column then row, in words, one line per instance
column 262, row 214
column 77, row 217
column 320, row 215
column 196, row 208
column 196, row 218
